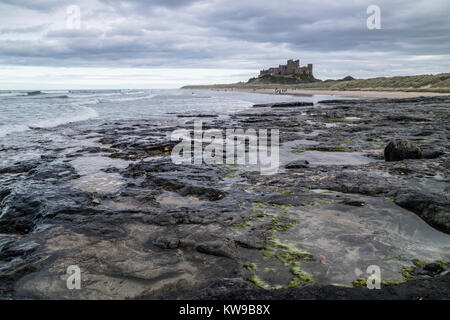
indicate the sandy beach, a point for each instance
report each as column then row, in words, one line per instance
column 354, row 94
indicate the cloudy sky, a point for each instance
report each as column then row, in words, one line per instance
column 169, row 43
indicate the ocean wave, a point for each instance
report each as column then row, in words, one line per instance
column 85, row 113
column 42, row 96
column 10, row 94
column 26, row 94
column 178, row 96
column 74, row 94
column 132, row 92
column 126, row 98
column 7, row 129
column 33, row 93
column 55, row 91
column 57, row 97
column 90, row 102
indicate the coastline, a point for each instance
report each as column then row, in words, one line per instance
column 349, row 94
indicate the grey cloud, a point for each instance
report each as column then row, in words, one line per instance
column 236, row 34
column 31, row 29
column 41, row 5
column 151, row 3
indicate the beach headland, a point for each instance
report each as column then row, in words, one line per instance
column 382, row 87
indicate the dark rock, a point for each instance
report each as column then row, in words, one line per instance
column 400, row 171
column 299, row 164
column 19, row 249
column 49, row 157
column 401, row 149
column 184, row 243
column 20, row 167
column 284, row 105
column 432, row 153
column 250, row 242
column 91, row 150
column 353, row 203
column 406, row 118
column 339, row 101
column 4, row 192
column 435, row 288
column 433, row 209
column 218, row 248
column 434, row 268
column 167, row 242
column 197, row 115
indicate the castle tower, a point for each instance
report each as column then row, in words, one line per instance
column 290, row 67
column 297, row 66
column 310, row 69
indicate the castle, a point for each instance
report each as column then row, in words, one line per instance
column 292, row 67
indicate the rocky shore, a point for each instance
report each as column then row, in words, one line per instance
column 108, row 199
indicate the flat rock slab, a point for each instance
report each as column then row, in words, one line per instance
column 197, row 115
column 284, row 104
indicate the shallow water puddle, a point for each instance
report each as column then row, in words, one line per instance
column 123, row 204
column 314, row 133
column 345, row 240
column 332, row 158
column 435, row 184
column 99, row 182
column 315, row 158
column 174, row 200
column 93, row 179
column 300, row 142
column 93, row 164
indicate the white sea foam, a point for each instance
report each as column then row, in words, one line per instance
column 126, row 98
column 9, row 94
column 77, row 113
column 7, row 129
column 84, row 113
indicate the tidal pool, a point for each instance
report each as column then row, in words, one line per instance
column 339, row 242
column 333, row 158
column 346, row 240
column 93, row 178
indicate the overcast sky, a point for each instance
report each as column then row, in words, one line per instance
column 170, row 43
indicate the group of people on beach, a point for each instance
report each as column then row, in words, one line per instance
column 280, row 91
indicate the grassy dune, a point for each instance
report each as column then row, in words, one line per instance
column 421, row 83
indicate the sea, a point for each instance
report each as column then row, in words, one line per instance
column 27, row 110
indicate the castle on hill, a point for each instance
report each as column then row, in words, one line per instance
column 292, row 67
